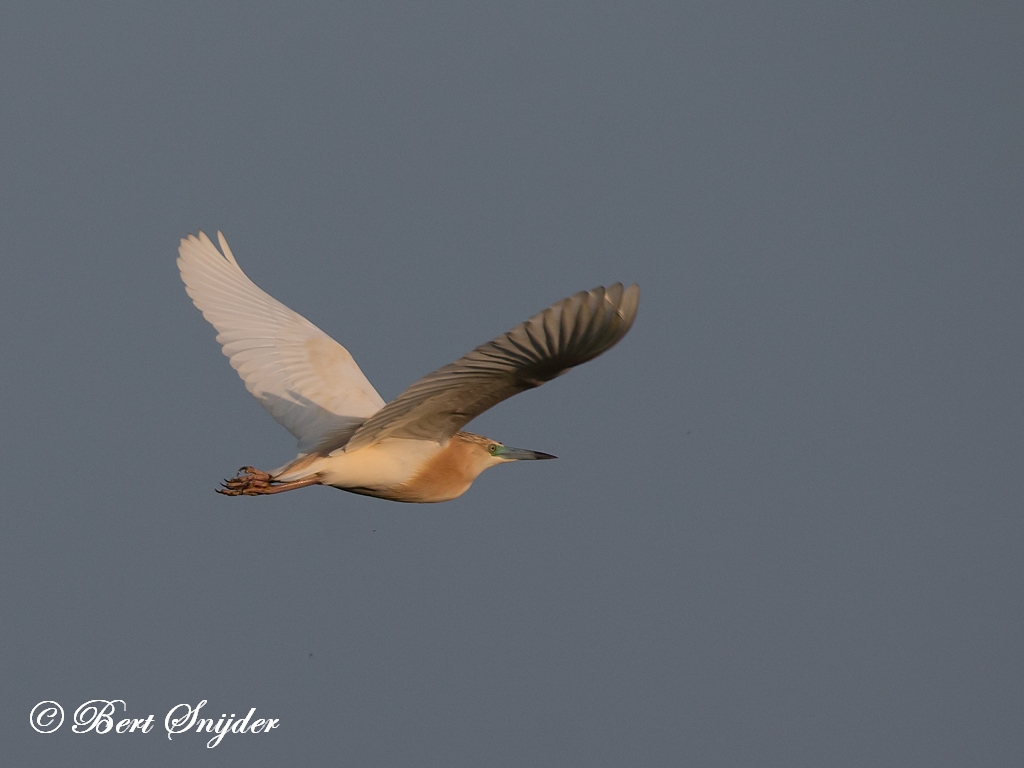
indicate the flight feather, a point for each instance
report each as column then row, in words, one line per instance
column 305, row 379
column 564, row 335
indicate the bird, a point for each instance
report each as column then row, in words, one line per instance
column 412, row 449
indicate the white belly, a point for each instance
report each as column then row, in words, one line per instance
column 373, row 469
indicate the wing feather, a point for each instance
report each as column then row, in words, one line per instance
column 564, row 335
column 305, row 379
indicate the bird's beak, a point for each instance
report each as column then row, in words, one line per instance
column 520, row 454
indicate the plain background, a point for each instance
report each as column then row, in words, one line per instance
column 785, row 528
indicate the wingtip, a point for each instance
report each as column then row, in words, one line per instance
column 630, row 302
column 186, row 240
column 202, row 241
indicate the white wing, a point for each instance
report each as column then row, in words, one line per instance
column 566, row 334
column 305, row 379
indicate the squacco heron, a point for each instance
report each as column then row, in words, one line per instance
column 412, row 449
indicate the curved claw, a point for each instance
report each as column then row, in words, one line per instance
column 249, row 482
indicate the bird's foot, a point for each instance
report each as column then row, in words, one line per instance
column 248, row 482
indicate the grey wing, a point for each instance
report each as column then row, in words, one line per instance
column 570, row 332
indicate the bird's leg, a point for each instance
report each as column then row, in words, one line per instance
column 254, row 482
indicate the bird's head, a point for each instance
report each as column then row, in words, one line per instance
column 488, row 453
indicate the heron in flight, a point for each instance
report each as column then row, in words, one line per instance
column 412, row 449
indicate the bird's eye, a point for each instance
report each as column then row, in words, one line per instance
column 493, row 447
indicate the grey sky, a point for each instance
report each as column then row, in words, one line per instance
column 785, row 527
